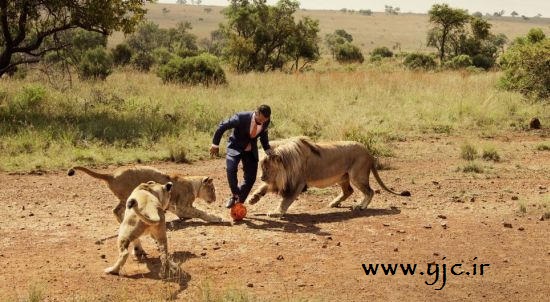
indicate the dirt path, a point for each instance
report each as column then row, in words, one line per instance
column 57, row 235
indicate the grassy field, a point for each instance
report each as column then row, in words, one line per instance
column 405, row 31
column 134, row 117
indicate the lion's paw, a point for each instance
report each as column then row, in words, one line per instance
column 111, row 270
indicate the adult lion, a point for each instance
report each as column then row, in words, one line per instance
column 297, row 163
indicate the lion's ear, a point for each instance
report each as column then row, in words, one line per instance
column 168, row 186
column 207, row 180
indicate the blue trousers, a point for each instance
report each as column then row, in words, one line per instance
column 250, row 168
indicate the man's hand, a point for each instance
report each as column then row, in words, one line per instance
column 269, row 152
column 215, row 151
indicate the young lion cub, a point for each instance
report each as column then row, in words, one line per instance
column 145, row 215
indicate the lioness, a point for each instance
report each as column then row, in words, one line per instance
column 299, row 162
column 185, row 191
column 145, row 215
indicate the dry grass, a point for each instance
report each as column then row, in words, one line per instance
column 407, row 31
column 133, row 117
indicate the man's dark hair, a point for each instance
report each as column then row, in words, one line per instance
column 265, row 110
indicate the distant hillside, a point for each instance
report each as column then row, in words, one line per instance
column 405, row 30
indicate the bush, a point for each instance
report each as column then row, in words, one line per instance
column 201, row 69
column 143, row 61
column 490, row 153
column 162, row 56
column 383, row 52
column 95, row 64
column 460, row 61
column 526, row 68
column 348, row 53
column 31, row 98
column 483, row 61
column 419, row 61
column 535, row 35
column 468, row 152
column 122, row 54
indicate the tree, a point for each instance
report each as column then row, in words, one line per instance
column 445, row 20
column 27, row 24
column 366, row 12
column 304, row 44
column 259, row 36
column 181, row 2
column 390, row 10
column 514, row 14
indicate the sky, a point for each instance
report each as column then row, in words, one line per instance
column 528, row 8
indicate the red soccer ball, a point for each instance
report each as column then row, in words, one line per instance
column 238, row 211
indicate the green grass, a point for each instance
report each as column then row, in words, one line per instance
column 543, row 146
column 490, row 153
column 133, row 117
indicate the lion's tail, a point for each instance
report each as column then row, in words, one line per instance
column 148, row 220
column 105, row 177
column 381, row 183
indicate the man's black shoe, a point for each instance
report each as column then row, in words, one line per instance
column 232, row 200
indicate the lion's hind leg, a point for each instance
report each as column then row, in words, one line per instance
column 168, row 268
column 362, row 184
column 347, row 190
column 122, row 257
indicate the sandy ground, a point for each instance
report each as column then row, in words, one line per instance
column 58, row 234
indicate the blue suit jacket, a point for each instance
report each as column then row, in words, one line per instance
column 240, row 138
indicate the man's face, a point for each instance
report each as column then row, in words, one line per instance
column 260, row 118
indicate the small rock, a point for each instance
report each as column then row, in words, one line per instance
column 441, row 216
column 377, row 191
column 386, row 224
column 428, row 226
column 541, row 218
column 250, row 285
column 329, row 238
column 444, row 224
column 203, row 254
column 338, row 244
column 216, row 248
column 473, row 199
column 280, row 257
column 435, row 182
column 324, row 246
column 257, row 272
column 507, row 225
column 542, row 188
column 401, row 231
column 68, row 224
column 102, row 256
column 436, row 254
column 521, row 229
column 515, row 198
column 31, row 214
column 396, row 249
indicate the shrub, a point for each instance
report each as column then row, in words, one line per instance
column 535, row 35
column 490, row 153
column 143, row 61
column 383, row 52
column 30, row 98
column 460, row 61
column 526, row 69
column 483, row 61
column 468, row 152
column 419, row 61
column 162, row 56
column 348, row 53
column 472, row 167
column 122, row 54
column 95, row 64
column 201, row 69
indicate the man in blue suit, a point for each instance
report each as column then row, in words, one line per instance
column 247, row 127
